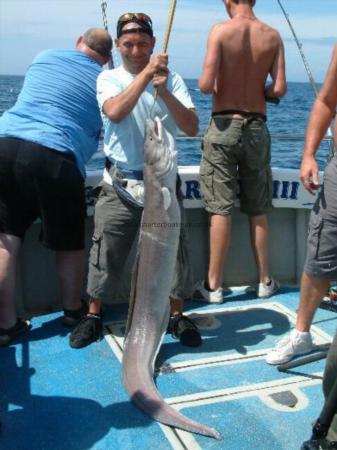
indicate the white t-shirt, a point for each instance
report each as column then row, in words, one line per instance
column 124, row 141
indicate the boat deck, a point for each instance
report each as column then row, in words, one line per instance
column 56, row 398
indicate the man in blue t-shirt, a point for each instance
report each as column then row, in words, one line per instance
column 45, row 141
column 126, row 98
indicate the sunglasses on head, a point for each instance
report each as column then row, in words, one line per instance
column 127, row 17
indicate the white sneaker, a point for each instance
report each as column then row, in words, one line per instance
column 295, row 344
column 203, row 295
column 265, row 291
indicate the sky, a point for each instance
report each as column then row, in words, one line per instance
column 29, row 26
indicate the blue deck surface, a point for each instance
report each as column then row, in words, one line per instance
column 56, row 398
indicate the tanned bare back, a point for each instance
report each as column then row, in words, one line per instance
column 241, row 53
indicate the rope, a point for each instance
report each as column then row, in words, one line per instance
column 166, row 42
column 105, row 24
column 310, row 75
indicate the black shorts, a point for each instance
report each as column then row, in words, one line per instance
column 38, row 182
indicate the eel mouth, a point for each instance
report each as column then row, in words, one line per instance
column 158, row 128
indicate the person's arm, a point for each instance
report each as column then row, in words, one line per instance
column 320, row 118
column 278, row 87
column 185, row 118
column 118, row 107
column 207, row 80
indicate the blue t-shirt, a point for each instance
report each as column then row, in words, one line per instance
column 57, row 106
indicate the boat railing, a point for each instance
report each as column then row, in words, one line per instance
column 275, row 137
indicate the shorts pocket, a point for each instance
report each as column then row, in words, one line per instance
column 314, row 234
column 96, row 249
column 206, row 175
column 225, row 132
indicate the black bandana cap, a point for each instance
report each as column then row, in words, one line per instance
column 144, row 27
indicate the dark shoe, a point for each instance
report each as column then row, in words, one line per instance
column 184, row 329
column 72, row 317
column 88, row 330
column 319, row 444
column 8, row 334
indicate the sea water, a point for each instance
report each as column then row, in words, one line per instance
column 285, row 120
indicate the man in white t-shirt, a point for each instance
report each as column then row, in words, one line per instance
column 126, row 98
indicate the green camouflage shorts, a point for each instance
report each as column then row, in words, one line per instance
column 236, row 158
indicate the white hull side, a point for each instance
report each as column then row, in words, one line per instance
column 37, row 289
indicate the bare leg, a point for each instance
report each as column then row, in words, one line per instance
column 176, row 306
column 9, row 249
column 182, row 327
column 259, row 241
column 312, row 292
column 70, row 269
column 220, row 233
column 95, row 306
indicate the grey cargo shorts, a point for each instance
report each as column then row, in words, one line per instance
column 116, row 226
column 321, row 260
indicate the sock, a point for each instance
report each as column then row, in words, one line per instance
column 207, row 287
column 173, row 316
column 300, row 333
column 93, row 316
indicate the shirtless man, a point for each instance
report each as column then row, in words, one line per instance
column 241, row 53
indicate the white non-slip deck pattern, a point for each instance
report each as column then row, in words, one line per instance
column 213, row 320
column 56, row 398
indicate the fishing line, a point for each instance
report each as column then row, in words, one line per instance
column 309, row 73
column 166, row 42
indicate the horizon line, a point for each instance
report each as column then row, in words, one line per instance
column 185, row 78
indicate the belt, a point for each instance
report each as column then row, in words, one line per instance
column 127, row 173
column 245, row 114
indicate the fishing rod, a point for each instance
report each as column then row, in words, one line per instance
column 308, row 70
column 169, row 25
column 166, row 42
column 105, row 24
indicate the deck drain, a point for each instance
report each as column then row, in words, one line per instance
column 285, row 398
